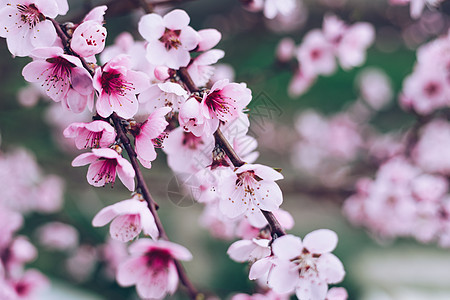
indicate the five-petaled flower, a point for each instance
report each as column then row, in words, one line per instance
column 129, row 218
column 151, row 267
column 117, row 86
column 105, row 163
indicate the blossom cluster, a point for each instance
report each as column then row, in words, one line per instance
column 137, row 89
column 23, row 189
column 321, row 49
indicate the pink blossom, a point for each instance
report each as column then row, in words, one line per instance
column 50, row 194
column 201, row 70
column 89, row 37
column 167, row 94
column 117, row 86
column 169, row 38
column 249, row 250
column 305, row 266
column 20, row 252
column 31, row 283
column 316, row 55
column 300, row 83
column 58, row 236
column 192, row 120
column 425, row 90
column 430, row 151
column 104, row 164
column 351, row 49
column 250, row 187
column 63, row 77
column 96, row 134
column 285, row 50
column 151, row 136
column 129, row 218
column 187, row 153
column 151, row 267
column 375, row 87
column 82, row 263
column 24, row 24
column 224, row 102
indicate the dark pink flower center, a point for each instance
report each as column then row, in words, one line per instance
column 431, row 89
column 107, row 171
column 93, row 139
column 29, row 14
column 158, row 259
column 171, row 39
column 219, row 104
column 113, row 83
column 316, row 54
column 58, row 73
column 191, row 141
column 22, row 288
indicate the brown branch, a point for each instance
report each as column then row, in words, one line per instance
column 65, row 38
column 275, row 227
column 141, row 184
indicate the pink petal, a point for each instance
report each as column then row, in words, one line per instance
column 130, row 271
column 151, row 27
column 44, row 34
column 265, row 172
column 208, row 39
column 268, row 196
column 153, row 284
column 103, row 106
column 330, row 268
column 260, row 268
column 283, row 278
column 309, row 289
column 36, row 71
column 240, row 251
column 287, row 247
column 92, row 174
column 176, row 19
column 320, row 241
column 126, row 173
column 148, row 224
column 189, row 38
column 106, row 153
column 84, row 159
column 233, row 203
column 177, row 58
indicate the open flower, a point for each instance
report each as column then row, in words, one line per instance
column 105, row 163
column 150, row 136
column 117, row 86
column 129, row 218
column 224, row 102
column 169, row 38
column 63, row 77
column 306, row 267
column 95, row 134
column 151, row 267
column 250, row 188
column 25, row 26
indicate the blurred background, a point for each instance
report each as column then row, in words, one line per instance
column 377, row 268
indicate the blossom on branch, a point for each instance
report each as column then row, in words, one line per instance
column 104, row 164
column 117, row 86
column 151, row 267
column 129, row 218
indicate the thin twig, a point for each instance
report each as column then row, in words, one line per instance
column 275, row 227
column 142, row 186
